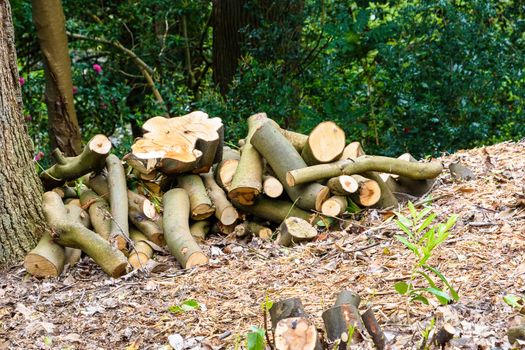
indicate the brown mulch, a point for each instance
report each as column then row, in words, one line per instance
column 483, row 258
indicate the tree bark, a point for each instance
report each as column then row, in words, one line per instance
column 49, row 20
column 22, row 222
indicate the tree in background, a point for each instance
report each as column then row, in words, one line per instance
column 64, row 131
column 22, row 221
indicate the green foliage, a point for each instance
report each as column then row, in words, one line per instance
column 255, row 339
column 515, row 301
column 185, row 306
column 422, row 237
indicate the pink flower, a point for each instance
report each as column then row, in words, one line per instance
column 97, row 68
column 29, row 117
column 38, row 156
column 75, row 90
column 22, row 81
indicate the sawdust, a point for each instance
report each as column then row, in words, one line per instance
column 483, row 258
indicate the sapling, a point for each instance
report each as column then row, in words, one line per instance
column 422, row 238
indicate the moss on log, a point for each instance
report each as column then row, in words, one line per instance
column 176, row 229
column 92, row 158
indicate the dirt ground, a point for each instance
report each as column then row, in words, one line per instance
column 483, row 258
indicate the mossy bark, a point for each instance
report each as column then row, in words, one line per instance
column 22, row 222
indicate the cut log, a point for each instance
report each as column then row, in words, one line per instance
column 444, row 335
column 92, row 158
column 416, row 171
column 66, row 192
column 516, row 333
column 141, row 252
column 199, row 230
column 292, row 307
column 224, row 210
column 99, row 184
column 98, row 211
column 369, row 192
column 352, row 151
column 141, row 203
column 254, row 229
column 296, row 333
column 247, row 181
column 72, row 234
column 118, row 199
column 219, row 228
column 226, row 169
column 342, row 185
column 276, row 210
column 272, row 187
column 325, row 144
column 47, row 259
column 459, row 171
column 144, row 168
column 411, row 186
column 183, row 144
column 374, row 329
column 387, row 199
column 295, row 230
column 347, row 297
column 176, row 229
column 334, row 206
column 338, row 320
column 76, row 214
column 200, row 203
column 148, row 226
column 282, row 157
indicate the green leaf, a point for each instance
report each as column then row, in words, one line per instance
column 412, row 209
column 427, row 222
column 427, row 277
column 185, row 306
column 402, row 287
column 451, row 221
column 404, row 220
column 420, row 298
column 513, row 300
column 404, row 228
column 409, row 245
column 443, row 297
column 255, row 339
column 453, row 292
column 423, row 213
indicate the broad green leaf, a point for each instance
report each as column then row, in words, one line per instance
column 427, row 222
column 443, row 297
column 420, row 298
column 402, row 287
column 185, row 306
column 513, row 300
column 409, row 245
column 427, row 277
column 255, row 339
column 453, row 292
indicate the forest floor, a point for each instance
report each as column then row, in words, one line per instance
column 483, row 258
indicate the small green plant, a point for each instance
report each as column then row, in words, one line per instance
column 425, row 333
column 255, row 339
column 515, row 301
column 185, row 306
column 422, row 238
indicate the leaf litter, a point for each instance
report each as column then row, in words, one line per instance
column 483, row 259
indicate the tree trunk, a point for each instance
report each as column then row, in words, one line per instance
column 49, row 20
column 21, row 222
column 229, row 17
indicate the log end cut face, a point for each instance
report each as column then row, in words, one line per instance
column 100, row 144
column 179, row 143
column 40, row 267
column 295, row 333
column 327, row 142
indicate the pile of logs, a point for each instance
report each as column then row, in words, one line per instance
column 180, row 182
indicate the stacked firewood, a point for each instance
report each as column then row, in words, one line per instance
column 179, row 182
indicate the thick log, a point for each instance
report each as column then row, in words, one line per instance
column 99, row 184
column 226, row 169
column 414, row 187
column 325, row 144
column 334, row 206
column 347, row 297
column 296, row 333
column 75, row 235
column 141, row 251
column 286, row 308
column 387, row 199
column 76, row 214
column 92, row 158
column 353, row 150
column 141, row 203
column 118, row 199
column 295, row 230
column 149, row 227
column 254, row 229
column 200, row 203
column 99, row 212
column 276, row 210
column 47, row 259
column 224, row 210
column 369, row 192
column 199, row 230
column 66, row 192
column 247, row 181
column 338, row 320
column 416, row 171
column 176, row 229
column 183, row 144
column 282, row 157
column 374, row 329
column 272, row 187
column 342, row 185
